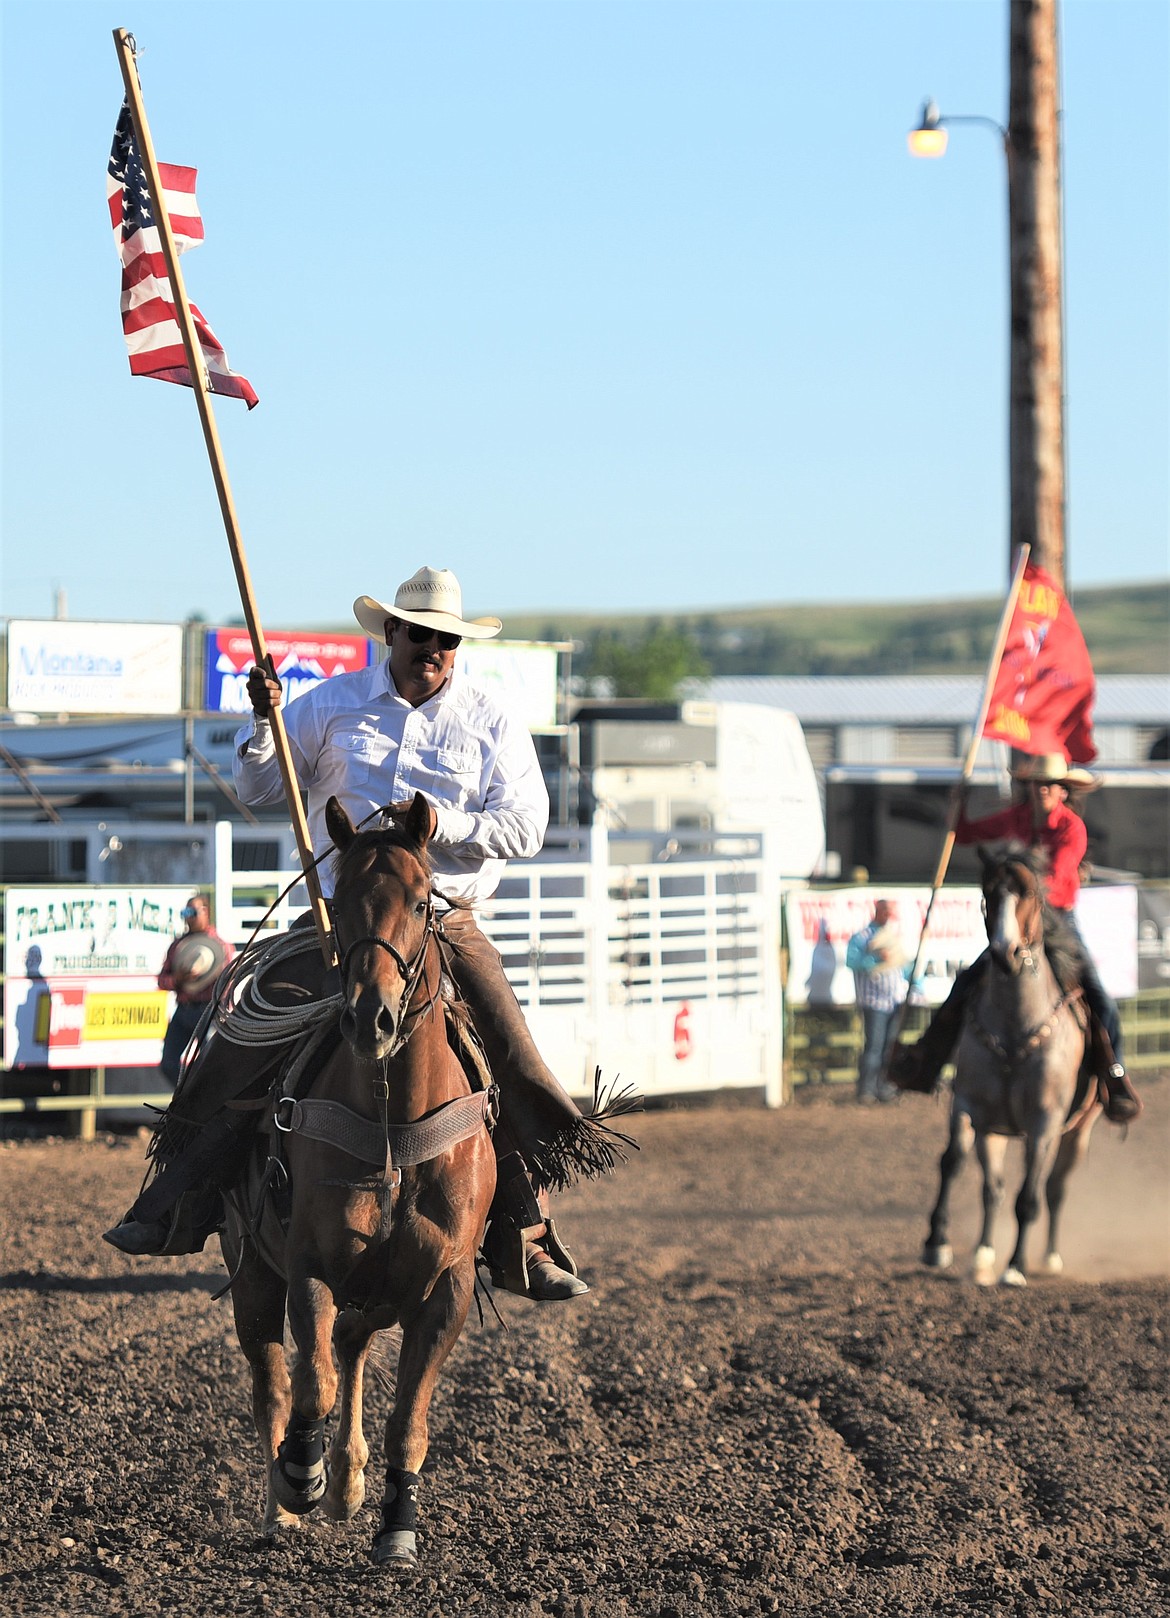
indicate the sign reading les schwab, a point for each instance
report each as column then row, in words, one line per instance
column 301, row 661
column 81, row 969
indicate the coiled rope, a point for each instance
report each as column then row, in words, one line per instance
column 246, row 1016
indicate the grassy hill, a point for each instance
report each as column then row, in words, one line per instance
column 1126, row 627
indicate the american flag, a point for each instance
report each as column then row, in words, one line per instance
column 148, row 309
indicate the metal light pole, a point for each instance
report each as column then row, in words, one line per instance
column 1031, row 142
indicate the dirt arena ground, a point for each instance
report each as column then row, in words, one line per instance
column 764, row 1406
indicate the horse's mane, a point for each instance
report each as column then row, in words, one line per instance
column 1063, row 949
column 388, row 834
column 1034, row 861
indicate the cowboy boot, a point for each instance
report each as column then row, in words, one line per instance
column 917, row 1067
column 184, row 1228
column 1120, row 1100
column 182, row 1206
column 521, row 1246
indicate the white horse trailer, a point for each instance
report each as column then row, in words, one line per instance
column 718, row 766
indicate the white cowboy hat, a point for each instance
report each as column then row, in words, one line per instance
column 431, row 597
column 1054, row 767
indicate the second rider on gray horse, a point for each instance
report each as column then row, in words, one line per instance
column 413, row 724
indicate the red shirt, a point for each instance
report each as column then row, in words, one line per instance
column 1063, row 838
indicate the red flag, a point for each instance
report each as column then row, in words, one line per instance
column 148, row 306
column 1043, row 695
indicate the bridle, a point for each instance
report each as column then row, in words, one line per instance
column 1035, row 933
column 1042, row 1031
column 411, row 971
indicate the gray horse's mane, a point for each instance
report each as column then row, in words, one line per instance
column 1061, row 945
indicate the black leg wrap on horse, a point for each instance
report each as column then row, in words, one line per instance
column 400, row 1502
column 298, row 1472
column 395, row 1539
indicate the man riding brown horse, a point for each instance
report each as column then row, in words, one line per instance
column 1045, row 821
column 373, row 739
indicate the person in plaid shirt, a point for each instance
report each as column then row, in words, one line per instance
column 878, row 962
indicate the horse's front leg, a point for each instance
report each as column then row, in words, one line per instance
column 991, row 1150
column 1071, row 1151
column 937, row 1254
column 298, row 1472
column 1038, row 1150
column 427, row 1339
column 258, row 1306
column 349, row 1451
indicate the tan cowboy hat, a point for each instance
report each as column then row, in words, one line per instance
column 1055, row 767
column 889, row 940
column 431, row 597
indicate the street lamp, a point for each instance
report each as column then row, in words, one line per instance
column 929, row 137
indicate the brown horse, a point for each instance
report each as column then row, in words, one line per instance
column 390, row 1173
column 1021, row 1070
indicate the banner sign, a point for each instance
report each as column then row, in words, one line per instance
column 521, row 675
column 59, row 665
column 820, row 923
column 1153, row 938
column 81, row 969
column 1108, row 920
column 302, row 661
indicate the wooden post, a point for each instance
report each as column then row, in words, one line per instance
column 201, row 388
column 1036, row 418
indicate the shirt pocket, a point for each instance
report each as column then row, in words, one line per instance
column 356, row 756
column 451, row 774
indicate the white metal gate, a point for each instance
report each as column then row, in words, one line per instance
column 665, row 975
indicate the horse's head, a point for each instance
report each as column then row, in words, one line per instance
column 382, row 908
column 1013, row 907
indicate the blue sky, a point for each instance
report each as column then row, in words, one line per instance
column 622, row 305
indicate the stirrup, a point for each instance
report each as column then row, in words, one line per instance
column 507, row 1250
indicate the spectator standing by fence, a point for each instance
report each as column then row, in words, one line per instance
column 877, row 959
column 192, row 965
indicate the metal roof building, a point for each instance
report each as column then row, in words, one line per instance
column 873, row 719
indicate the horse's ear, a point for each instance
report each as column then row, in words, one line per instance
column 419, row 821
column 339, row 825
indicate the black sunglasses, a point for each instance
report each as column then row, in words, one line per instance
column 420, row 633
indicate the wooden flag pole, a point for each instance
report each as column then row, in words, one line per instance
column 969, row 757
column 124, row 44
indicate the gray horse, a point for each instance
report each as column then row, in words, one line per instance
column 1021, row 1071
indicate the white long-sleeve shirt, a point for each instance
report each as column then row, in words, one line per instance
column 355, row 738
